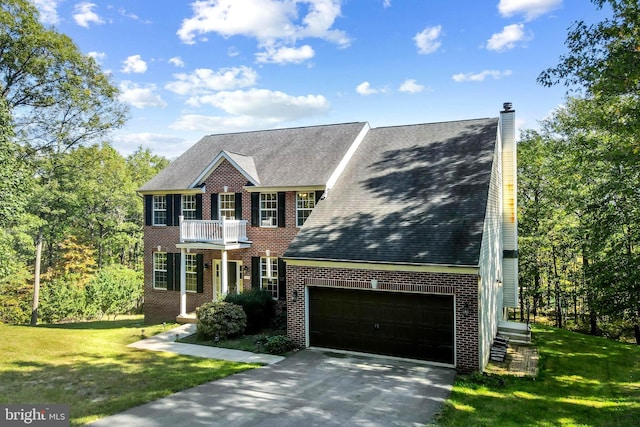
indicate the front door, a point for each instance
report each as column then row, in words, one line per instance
column 234, row 278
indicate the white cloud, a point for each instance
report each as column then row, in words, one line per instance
column 365, row 89
column 275, row 24
column 134, row 64
column 507, row 39
column 166, row 145
column 84, row 14
column 386, row 3
column 410, row 86
column 205, row 80
column 285, row 55
column 427, row 40
column 481, row 76
column 98, row 56
column 140, row 96
column 48, row 11
column 531, row 9
column 177, row 61
column 263, row 103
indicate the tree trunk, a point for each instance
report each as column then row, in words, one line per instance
column 636, row 330
column 36, row 280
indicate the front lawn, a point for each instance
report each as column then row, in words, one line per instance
column 582, row 381
column 89, row 367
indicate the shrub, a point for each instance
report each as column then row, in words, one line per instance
column 279, row 321
column 61, row 299
column 279, row 344
column 258, row 305
column 220, row 319
column 114, row 290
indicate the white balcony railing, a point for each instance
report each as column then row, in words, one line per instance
column 224, row 231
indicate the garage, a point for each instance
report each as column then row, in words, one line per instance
column 410, row 325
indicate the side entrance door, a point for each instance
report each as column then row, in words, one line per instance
column 234, row 277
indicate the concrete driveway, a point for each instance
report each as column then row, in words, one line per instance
column 310, row 388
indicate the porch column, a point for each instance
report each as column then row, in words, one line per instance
column 183, row 282
column 224, row 273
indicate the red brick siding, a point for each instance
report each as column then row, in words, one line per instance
column 163, row 305
column 463, row 286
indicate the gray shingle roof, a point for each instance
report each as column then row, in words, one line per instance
column 411, row 194
column 281, row 157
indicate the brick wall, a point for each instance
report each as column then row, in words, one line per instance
column 464, row 287
column 161, row 305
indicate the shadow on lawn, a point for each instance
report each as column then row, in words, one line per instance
column 95, row 386
column 99, row 324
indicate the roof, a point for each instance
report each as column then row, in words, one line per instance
column 291, row 157
column 410, row 194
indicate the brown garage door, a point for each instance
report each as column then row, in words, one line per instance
column 414, row 326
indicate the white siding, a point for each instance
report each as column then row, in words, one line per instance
column 510, row 207
column 490, row 285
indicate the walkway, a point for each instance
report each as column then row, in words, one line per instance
column 166, row 341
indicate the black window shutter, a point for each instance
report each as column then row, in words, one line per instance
column 214, row 206
column 281, row 208
column 177, row 209
column 148, row 209
column 176, row 271
column 255, row 209
column 238, row 202
column 319, row 194
column 170, row 272
column 169, row 220
column 200, row 270
column 198, row 206
column 255, row 272
column 282, row 279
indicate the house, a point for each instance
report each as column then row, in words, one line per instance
column 396, row 240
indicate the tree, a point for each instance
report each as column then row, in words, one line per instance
column 603, row 58
column 58, row 99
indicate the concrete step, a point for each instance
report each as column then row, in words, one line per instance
column 518, row 333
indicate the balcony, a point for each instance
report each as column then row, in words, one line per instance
column 222, row 232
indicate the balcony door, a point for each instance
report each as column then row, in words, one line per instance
column 234, row 278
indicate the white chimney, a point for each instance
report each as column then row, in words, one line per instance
column 509, row 206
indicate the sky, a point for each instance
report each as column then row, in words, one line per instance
column 193, row 68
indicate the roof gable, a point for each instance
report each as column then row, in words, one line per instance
column 411, row 194
column 244, row 164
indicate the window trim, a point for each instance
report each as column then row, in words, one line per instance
column 192, row 203
column 265, row 261
column 221, row 209
column 191, row 261
column 154, row 209
column 273, row 210
column 165, row 271
column 311, row 199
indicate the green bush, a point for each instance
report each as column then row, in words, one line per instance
column 258, row 305
column 114, row 290
column 221, row 320
column 61, row 299
column 279, row 321
column 279, row 344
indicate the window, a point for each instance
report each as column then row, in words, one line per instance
column 268, row 209
column 269, row 275
column 159, row 210
column 191, row 269
column 189, row 206
column 228, row 206
column 160, row 270
column 305, row 202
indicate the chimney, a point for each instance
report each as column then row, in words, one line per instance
column 509, row 206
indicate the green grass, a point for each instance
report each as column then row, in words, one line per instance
column 89, row 367
column 253, row 343
column 582, row 381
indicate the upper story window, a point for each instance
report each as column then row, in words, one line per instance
column 160, row 277
column 305, row 202
column 159, row 210
column 189, row 206
column 191, row 262
column 269, row 275
column 268, row 209
column 227, row 206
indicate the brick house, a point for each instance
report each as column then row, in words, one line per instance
column 398, row 240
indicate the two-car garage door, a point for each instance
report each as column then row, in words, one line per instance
column 415, row 326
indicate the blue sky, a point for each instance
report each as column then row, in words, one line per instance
column 190, row 69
